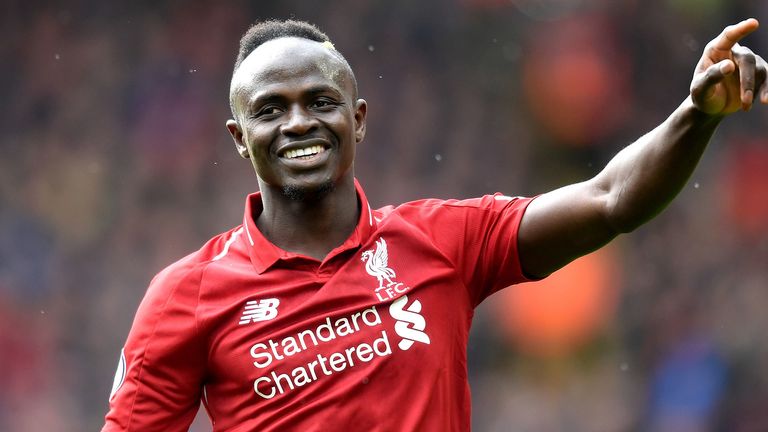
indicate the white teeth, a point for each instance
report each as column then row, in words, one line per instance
column 309, row 151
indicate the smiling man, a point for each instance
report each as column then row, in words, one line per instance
column 298, row 118
column 321, row 314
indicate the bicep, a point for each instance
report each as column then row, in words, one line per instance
column 562, row 225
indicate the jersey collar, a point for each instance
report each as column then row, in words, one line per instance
column 265, row 254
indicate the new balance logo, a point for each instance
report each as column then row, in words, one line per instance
column 410, row 324
column 259, row 310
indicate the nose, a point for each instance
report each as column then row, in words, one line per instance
column 299, row 121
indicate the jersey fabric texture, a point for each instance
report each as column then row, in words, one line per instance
column 372, row 338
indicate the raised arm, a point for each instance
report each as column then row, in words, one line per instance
column 644, row 177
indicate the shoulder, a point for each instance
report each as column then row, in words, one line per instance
column 187, row 272
column 433, row 207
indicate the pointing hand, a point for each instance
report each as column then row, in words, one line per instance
column 729, row 76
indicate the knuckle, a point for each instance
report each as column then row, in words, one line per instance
column 747, row 60
column 742, row 51
column 698, row 82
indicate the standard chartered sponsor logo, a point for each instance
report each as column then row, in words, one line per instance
column 410, row 324
column 265, row 354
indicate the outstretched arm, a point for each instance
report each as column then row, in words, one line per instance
column 644, row 177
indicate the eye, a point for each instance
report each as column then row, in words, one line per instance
column 323, row 103
column 268, row 110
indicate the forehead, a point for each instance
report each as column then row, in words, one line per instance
column 288, row 61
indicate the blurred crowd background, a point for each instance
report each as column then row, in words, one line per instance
column 114, row 162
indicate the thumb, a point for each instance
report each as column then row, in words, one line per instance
column 703, row 83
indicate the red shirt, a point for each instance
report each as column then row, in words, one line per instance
column 372, row 338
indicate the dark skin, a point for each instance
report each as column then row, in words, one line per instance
column 557, row 227
column 292, row 94
column 643, row 178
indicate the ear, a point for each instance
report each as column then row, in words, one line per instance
column 237, row 136
column 361, row 110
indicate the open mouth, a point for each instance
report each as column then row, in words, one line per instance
column 303, row 153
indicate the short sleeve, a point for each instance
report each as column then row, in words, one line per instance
column 159, row 379
column 479, row 236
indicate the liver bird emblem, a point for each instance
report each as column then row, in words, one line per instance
column 376, row 264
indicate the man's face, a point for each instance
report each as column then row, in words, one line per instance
column 297, row 117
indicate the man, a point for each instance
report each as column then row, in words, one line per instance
column 319, row 313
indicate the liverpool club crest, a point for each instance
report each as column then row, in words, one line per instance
column 376, row 264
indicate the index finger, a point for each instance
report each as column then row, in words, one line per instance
column 732, row 34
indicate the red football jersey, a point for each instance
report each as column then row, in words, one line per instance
column 372, row 338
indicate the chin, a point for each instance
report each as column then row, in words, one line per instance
column 309, row 193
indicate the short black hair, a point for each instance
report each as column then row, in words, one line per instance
column 265, row 31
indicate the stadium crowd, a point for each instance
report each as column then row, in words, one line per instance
column 114, row 161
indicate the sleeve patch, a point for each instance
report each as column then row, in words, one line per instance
column 119, row 375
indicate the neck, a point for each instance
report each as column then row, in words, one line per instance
column 311, row 227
